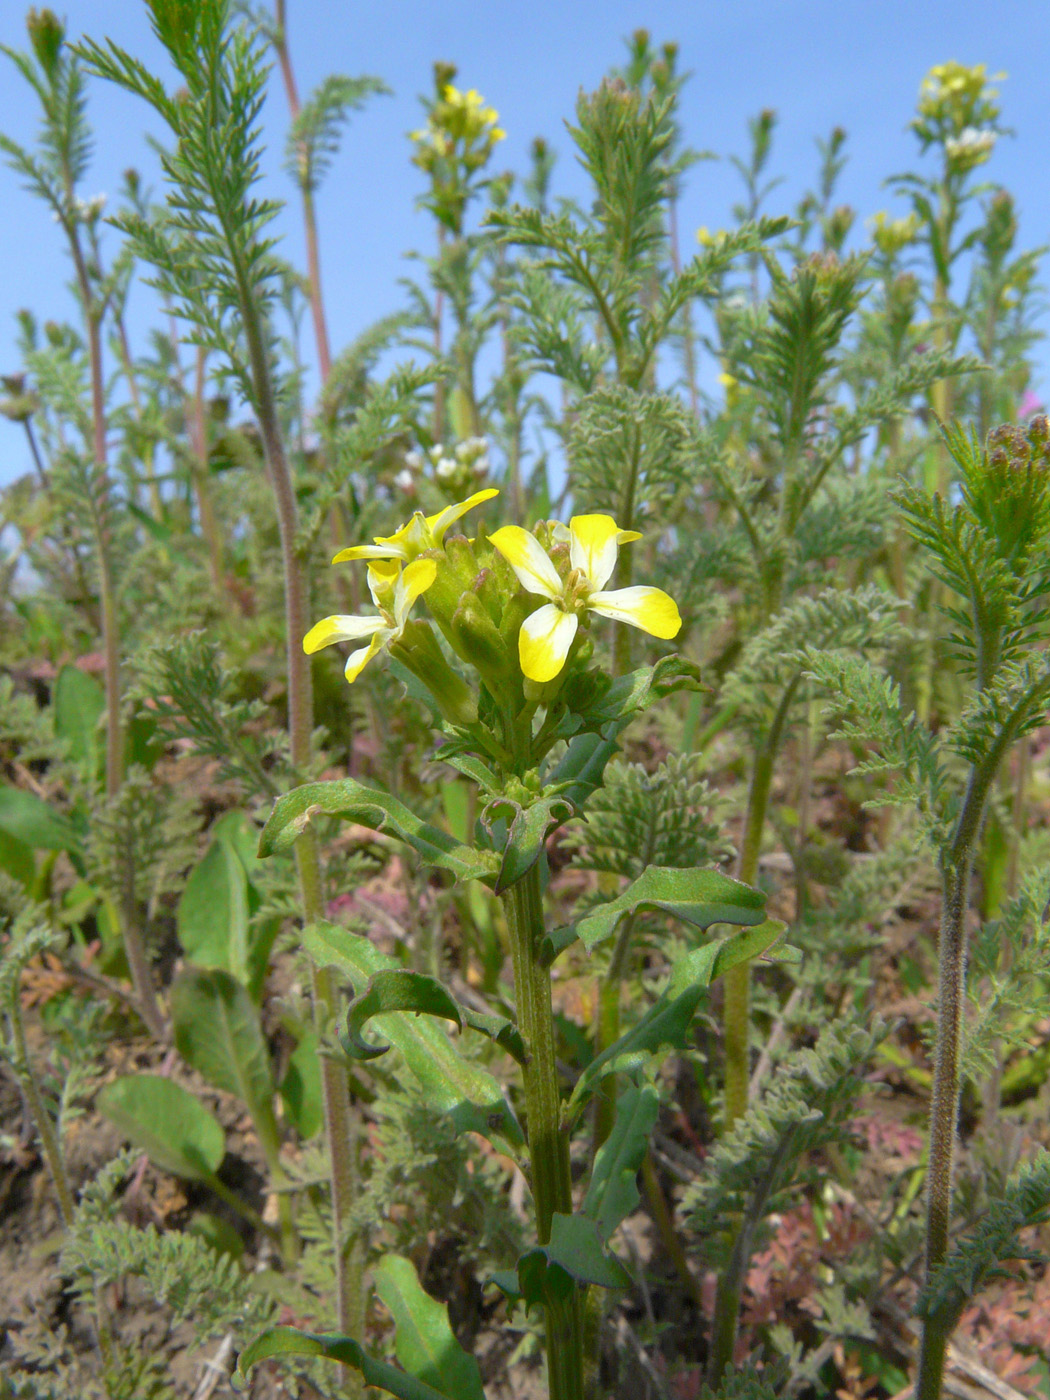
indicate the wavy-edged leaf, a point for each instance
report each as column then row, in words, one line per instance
column 473, row 1098
column 398, row 989
column 613, row 1190
column 574, row 1254
column 174, row 1129
column 424, row 1342
column 289, row 1341
column 697, row 897
column 526, row 832
column 353, row 802
column 667, row 1020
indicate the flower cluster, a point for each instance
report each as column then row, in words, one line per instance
column 454, row 146
column 487, row 611
column 958, row 107
column 455, row 468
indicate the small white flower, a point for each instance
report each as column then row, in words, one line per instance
column 405, row 481
column 445, row 469
column 414, row 461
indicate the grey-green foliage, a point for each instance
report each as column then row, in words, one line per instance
column 426, row 1183
column 1008, row 978
column 142, row 838
column 631, row 454
column 836, row 620
column 806, row 1105
column 313, row 140
column 670, row 817
column 181, row 1272
column 211, row 253
column 896, row 740
column 189, row 690
column 604, row 262
column 745, row 1383
column 64, row 147
column 995, row 1241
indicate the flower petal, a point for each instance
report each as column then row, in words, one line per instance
column 358, row 660
column 529, row 560
column 339, row 629
column 594, row 544
column 651, row 609
column 383, row 575
column 415, row 579
column 410, row 540
column 369, row 551
column 438, row 524
column 544, row 641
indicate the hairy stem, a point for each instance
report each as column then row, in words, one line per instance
column 547, row 1135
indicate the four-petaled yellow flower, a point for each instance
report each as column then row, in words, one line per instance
column 422, row 532
column 394, row 590
column 594, row 542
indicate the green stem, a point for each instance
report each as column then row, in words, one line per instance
column 951, row 993
column 547, row 1134
column 737, row 981
column 335, row 1091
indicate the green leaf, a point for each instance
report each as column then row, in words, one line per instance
column 424, row 1341
column 212, row 913
column 471, row 1097
column 528, row 830
column 697, row 897
column 613, row 1190
column 667, row 1020
column 16, row 859
column 301, row 1087
column 289, row 1341
column 217, row 1031
column 580, row 769
column 398, row 989
column 174, row 1129
column 78, row 703
column 546, row 1274
column 30, row 820
column 352, row 801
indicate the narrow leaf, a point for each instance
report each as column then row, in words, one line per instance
column 613, row 1192
column 289, row 1341
column 397, row 989
column 424, row 1341
column 471, row 1097
column 352, row 801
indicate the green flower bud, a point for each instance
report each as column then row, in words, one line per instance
column 476, row 639
column 46, row 34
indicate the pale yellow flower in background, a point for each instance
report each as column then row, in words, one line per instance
column 394, row 590
column 422, row 532
column 594, row 544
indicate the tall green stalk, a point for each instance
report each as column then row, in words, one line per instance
column 548, row 1137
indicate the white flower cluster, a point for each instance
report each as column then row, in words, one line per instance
column 453, row 467
column 971, row 147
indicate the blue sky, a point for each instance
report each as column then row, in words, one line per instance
column 819, row 63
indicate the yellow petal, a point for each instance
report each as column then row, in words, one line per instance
column 438, row 524
column 544, row 641
column 651, row 609
column 368, row 551
column 529, row 560
column 410, row 540
column 358, row 660
column 594, row 544
column 416, row 579
column 339, row 629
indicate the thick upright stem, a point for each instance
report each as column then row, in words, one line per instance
column 547, row 1135
column 951, row 993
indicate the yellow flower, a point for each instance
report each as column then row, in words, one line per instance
column 594, row 543
column 394, row 590
column 422, row 532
